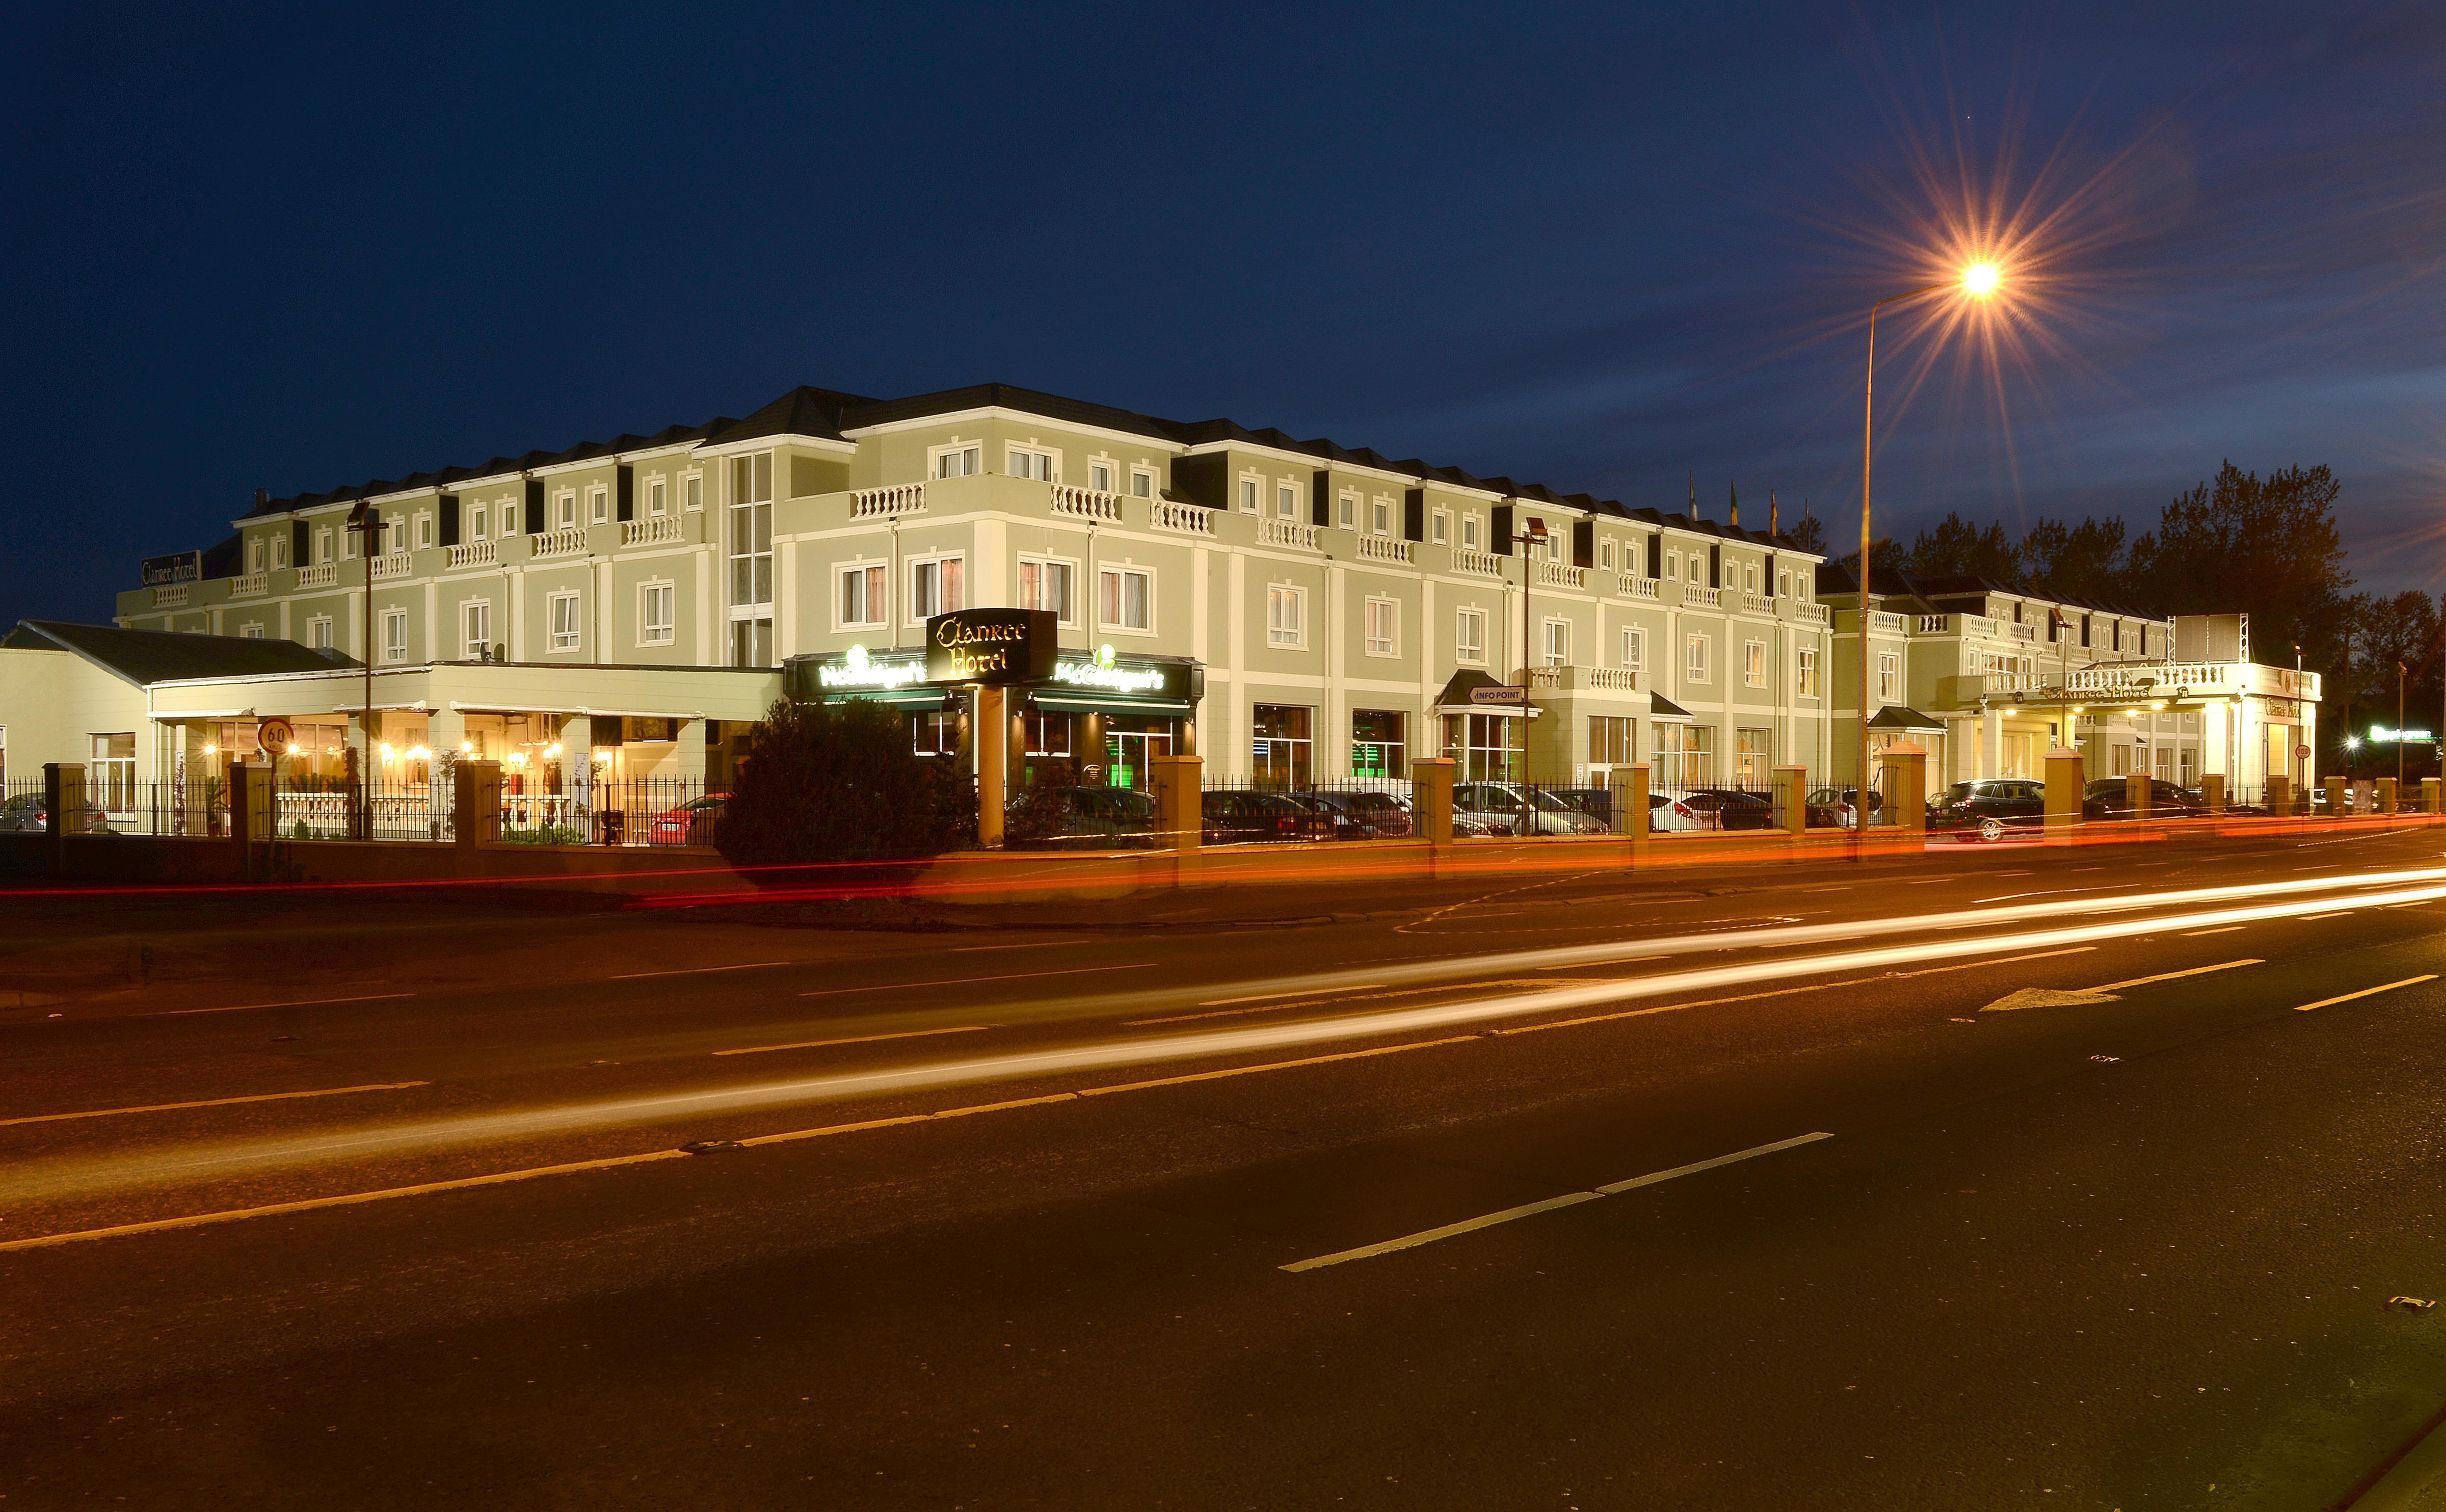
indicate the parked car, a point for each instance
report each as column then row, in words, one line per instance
column 1667, row 815
column 1509, row 809
column 1094, row 818
column 690, row 823
column 1238, row 815
column 1598, row 802
column 1733, row 808
column 1364, row 815
column 1839, row 804
column 2108, row 798
column 30, row 812
column 1990, row 808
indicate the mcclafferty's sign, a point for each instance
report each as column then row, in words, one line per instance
column 992, row 647
column 860, row 671
column 1108, row 674
column 179, row 567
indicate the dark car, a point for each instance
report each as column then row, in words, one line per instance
column 1093, row 818
column 2108, row 798
column 1234, row 814
column 1598, row 802
column 1990, row 808
column 1732, row 808
column 1364, row 815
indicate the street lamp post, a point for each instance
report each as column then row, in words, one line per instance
column 1979, row 281
column 367, row 523
column 1527, row 541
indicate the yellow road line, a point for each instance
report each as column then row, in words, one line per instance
column 2169, row 976
column 1779, row 991
column 2367, row 992
column 2225, row 930
column 1275, row 1065
column 210, row 1102
column 699, row 971
column 303, row 1002
column 857, row 1039
column 965, row 981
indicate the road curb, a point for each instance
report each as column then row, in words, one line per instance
column 2416, row 1482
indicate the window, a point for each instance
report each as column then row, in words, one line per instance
column 1383, row 621
column 1695, row 667
column 751, row 537
column 1673, row 564
column 1349, row 503
column 861, row 596
column 655, row 620
column 957, row 461
column 1753, row 663
column 250, row 632
column 1605, row 554
column 1285, row 502
column 1469, row 533
column 112, row 777
column 394, row 634
column 1247, row 496
column 1285, row 616
column 563, row 609
column 1029, row 462
column 255, row 554
column 1751, row 752
column 566, row 513
column 1046, row 585
column 1128, row 598
column 1750, row 575
column 1381, row 514
column 1099, row 477
column 1281, row 745
column 935, row 588
column 1610, row 739
column 1469, row 635
column 477, row 520
column 476, row 630
column 280, row 551
column 692, row 490
column 1485, row 747
column 1805, row 677
column 1783, row 585
column 1376, row 746
column 1634, row 650
column 1890, row 675
column 1685, row 754
column 508, row 519
column 1048, row 734
column 323, row 554
column 1558, row 643
column 1442, row 527
column 657, row 499
column 934, row 734
column 598, row 502
column 318, row 633
column 1141, row 484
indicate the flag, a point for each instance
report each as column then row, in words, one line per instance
column 1774, row 515
column 1737, row 505
column 1694, row 495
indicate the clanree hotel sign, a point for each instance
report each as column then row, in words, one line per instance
column 995, row 648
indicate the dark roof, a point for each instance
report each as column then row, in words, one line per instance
column 1465, row 682
column 1834, row 579
column 1663, row 708
column 148, row 657
column 1900, row 716
column 824, row 413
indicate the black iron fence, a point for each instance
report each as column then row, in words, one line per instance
column 604, row 811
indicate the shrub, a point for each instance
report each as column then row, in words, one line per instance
column 838, row 781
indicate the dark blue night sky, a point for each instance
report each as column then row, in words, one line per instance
column 1598, row 248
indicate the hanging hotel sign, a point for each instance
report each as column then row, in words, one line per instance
column 995, row 648
column 179, row 567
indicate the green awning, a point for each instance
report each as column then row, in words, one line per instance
column 1087, row 703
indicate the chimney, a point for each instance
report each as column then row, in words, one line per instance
column 262, row 499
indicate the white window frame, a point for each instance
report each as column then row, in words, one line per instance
column 1066, row 613
column 1346, row 509
column 1286, row 500
column 658, row 497
column 1382, row 624
column 1122, row 571
column 318, row 633
column 1890, row 676
column 472, row 646
column 650, row 633
column 1379, row 513
column 1252, row 491
column 394, row 646
column 573, row 638
column 1470, row 535
column 1673, row 565
column 935, row 561
column 692, row 491
column 1634, row 649
column 1022, row 459
column 1753, row 663
column 955, row 459
column 598, row 504
column 1442, row 527
column 1805, row 672
column 479, row 517
column 875, row 602
column 1285, row 630
column 1605, row 554
column 323, row 544
column 252, row 632
column 1554, row 642
column 505, row 516
column 1469, row 637
column 280, row 549
column 1143, row 482
column 257, row 552
column 564, row 508
column 1698, row 657
column 424, row 532
column 1112, row 475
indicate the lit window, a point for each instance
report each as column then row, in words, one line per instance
column 564, row 621
column 861, row 597
column 476, row 630
column 1634, row 650
column 1285, row 616
column 1046, row 585
column 1753, row 663
column 1695, row 668
column 1890, row 675
column 1384, row 627
column 1806, row 675
column 394, row 634
column 1128, row 595
column 933, row 588
column 1558, row 643
column 654, row 614
column 751, row 535
column 1469, row 635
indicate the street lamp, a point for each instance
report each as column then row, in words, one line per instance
column 1978, row 281
column 1528, row 541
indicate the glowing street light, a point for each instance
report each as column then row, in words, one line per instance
column 1977, row 280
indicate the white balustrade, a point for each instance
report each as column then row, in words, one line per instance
column 173, row 595
column 321, row 575
column 1929, row 625
column 567, row 541
column 1086, row 504
column 1477, row 564
column 249, row 585
column 880, row 503
column 1187, row 518
column 1815, row 614
column 1385, row 548
column 1635, row 587
column 1560, row 574
column 1756, row 604
column 471, row 554
column 2023, row 632
column 1585, row 679
column 1286, row 532
column 1703, row 598
column 397, row 564
column 1883, row 623
column 2153, row 677
column 652, row 532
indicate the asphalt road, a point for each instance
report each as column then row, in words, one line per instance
column 1310, row 1197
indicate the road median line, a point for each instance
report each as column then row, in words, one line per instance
column 211, row 1102
column 2367, row 992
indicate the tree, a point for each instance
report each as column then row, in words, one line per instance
column 2080, row 562
column 839, row 779
column 2273, row 543
column 1810, row 534
column 1956, row 548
